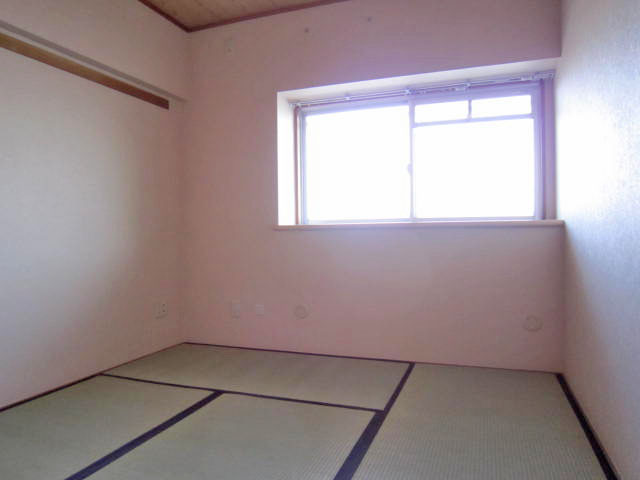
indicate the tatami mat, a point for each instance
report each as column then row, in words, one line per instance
column 56, row 435
column 345, row 381
column 246, row 438
column 454, row 423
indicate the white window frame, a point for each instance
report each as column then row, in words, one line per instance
column 413, row 98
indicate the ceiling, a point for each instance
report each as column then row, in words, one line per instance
column 192, row 15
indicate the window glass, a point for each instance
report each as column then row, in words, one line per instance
column 356, row 165
column 467, row 158
column 495, row 107
column 442, row 111
column 478, row 169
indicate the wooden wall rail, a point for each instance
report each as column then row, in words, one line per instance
column 75, row 68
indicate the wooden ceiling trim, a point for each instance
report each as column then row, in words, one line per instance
column 267, row 13
column 243, row 18
column 172, row 19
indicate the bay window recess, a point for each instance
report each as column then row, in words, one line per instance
column 463, row 152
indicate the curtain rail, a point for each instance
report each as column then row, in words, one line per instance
column 445, row 87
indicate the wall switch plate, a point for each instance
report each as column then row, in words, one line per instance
column 236, row 309
column 162, row 310
column 259, row 308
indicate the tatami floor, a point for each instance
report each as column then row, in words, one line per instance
column 196, row 412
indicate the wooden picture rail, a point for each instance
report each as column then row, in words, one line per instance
column 75, row 68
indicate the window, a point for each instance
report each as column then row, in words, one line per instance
column 471, row 152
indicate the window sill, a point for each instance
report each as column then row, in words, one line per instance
column 437, row 224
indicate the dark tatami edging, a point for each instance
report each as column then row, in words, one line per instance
column 246, row 394
column 47, row 392
column 297, row 353
column 598, row 450
column 361, row 447
column 80, row 380
column 136, row 442
column 373, row 359
column 359, row 450
column 346, row 471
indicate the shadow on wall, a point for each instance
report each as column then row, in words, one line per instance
column 90, row 218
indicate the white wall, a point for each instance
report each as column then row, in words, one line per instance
column 598, row 105
column 89, row 212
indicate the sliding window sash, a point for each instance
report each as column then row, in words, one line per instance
column 532, row 85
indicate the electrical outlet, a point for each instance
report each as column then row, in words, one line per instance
column 260, row 309
column 162, row 310
column 301, row 312
column 532, row 323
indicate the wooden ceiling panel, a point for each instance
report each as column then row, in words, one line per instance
column 192, row 15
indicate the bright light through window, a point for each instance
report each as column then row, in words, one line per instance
column 356, row 165
column 472, row 156
column 442, row 111
column 488, row 174
column 495, row 107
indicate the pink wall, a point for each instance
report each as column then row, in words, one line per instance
column 599, row 197
column 90, row 201
column 443, row 295
column 90, row 216
column 91, row 198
